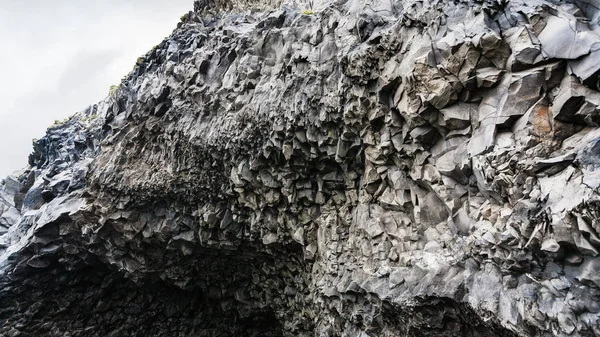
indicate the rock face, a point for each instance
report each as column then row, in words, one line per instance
column 366, row 168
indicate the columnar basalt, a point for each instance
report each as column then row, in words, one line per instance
column 327, row 168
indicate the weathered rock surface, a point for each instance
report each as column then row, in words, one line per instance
column 373, row 168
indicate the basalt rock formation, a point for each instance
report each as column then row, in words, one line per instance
column 333, row 168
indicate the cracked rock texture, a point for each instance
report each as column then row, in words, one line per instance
column 370, row 168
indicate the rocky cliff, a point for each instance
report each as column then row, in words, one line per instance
column 332, row 168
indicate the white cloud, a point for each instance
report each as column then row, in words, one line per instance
column 61, row 56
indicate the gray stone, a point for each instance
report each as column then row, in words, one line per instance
column 455, row 164
column 488, row 77
column 566, row 38
column 457, row 116
column 526, row 49
column 523, row 92
column 575, row 103
column 330, row 168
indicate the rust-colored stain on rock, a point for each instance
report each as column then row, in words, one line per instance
column 542, row 121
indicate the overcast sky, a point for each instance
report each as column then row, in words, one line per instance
column 60, row 56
